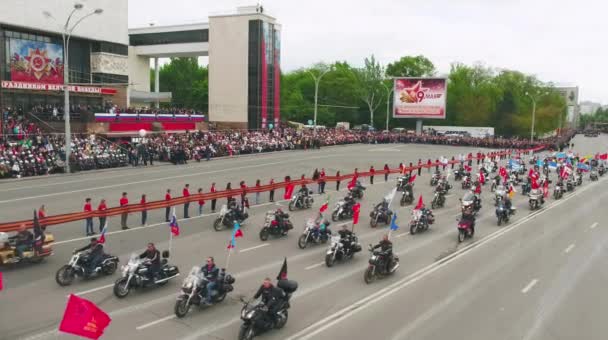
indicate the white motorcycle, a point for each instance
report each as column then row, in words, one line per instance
column 338, row 252
column 135, row 275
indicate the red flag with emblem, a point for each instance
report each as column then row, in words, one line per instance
column 83, row 318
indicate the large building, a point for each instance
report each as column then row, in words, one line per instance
column 112, row 65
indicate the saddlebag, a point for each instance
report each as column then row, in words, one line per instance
column 171, row 270
column 288, row 286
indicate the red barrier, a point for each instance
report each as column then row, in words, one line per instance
column 72, row 217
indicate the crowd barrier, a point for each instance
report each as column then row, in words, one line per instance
column 132, row 208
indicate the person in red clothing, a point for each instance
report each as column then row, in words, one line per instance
column 124, row 201
column 428, row 164
column 42, row 216
column 478, row 157
column 372, row 171
column 88, row 226
column 168, row 208
column 213, row 201
column 102, row 219
column 386, row 171
column 186, row 194
column 419, row 166
column 322, row 181
column 243, row 192
column 201, row 202
column 271, row 196
column 144, row 213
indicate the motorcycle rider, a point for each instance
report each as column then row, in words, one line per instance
column 281, row 217
column 346, row 237
column 153, row 255
column 272, row 297
column 23, row 240
column 386, row 246
column 95, row 254
column 349, row 201
column 303, row 192
column 321, row 225
column 211, row 273
column 382, row 207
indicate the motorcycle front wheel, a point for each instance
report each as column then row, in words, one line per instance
column 217, row 224
column 373, row 222
column 181, row 308
column 329, row 260
column 368, row 276
column 121, row 289
column 461, row 235
column 302, row 242
column 499, row 222
column 246, row 332
column 334, row 216
column 291, row 206
column 413, row 228
column 64, row 276
column 264, row 234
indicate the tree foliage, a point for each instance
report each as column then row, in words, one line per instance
column 411, row 66
column 187, row 80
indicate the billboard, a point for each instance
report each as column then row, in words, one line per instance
column 419, row 98
column 35, row 61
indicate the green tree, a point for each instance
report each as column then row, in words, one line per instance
column 371, row 91
column 187, row 81
column 411, row 66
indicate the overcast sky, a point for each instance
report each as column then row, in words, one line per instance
column 559, row 41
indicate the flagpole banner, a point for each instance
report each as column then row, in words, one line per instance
column 83, row 318
column 420, row 98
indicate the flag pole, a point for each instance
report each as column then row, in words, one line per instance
column 171, row 232
column 228, row 258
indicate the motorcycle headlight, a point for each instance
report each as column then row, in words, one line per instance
column 125, row 270
column 243, row 313
column 188, row 285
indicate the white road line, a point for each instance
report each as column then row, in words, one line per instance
column 593, row 225
column 315, row 266
column 529, row 286
column 168, row 317
column 403, row 234
column 253, row 248
column 93, row 290
column 570, row 247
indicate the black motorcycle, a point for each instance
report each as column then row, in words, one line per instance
column 402, row 181
column 407, row 197
column 357, row 190
column 458, row 173
column 255, row 316
column 275, row 226
column 77, row 267
column 378, row 265
column 419, row 222
column 438, row 200
column 194, row 291
column 435, row 179
column 601, row 170
column 337, row 251
column 569, row 185
column 228, row 216
column 503, row 213
column 135, row 275
column 299, row 201
column 558, row 191
column 379, row 216
column 525, row 188
column 341, row 211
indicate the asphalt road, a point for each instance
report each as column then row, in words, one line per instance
column 532, row 279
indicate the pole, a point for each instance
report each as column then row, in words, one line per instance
column 533, row 119
column 66, row 98
column 156, row 81
column 317, row 81
column 171, row 231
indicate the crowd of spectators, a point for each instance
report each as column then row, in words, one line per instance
column 114, row 109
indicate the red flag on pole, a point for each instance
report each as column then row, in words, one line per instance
column 83, row 318
column 1, row 283
column 412, row 179
column 356, row 211
column 604, row 156
column 420, row 203
column 288, row 191
column 324, row 206
column 352, row 183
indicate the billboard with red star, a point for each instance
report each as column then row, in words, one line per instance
column 420, row 98
column 36, row 61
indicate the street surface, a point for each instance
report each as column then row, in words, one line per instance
column 538, row 277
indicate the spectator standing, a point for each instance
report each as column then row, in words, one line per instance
column 102, row 219
column 201, row 202
column 89, row 220
column 42, row 217
column 144, row 213
column 168, row 208
column 243, row 187
column 419, row 166
column 411, row 168
column 213, row 201
column 428, row 164
column 228, row 189
column 271, row 197
column 372, row 172
column 386, row 171
column 186, row 194
column 315, row 177
column 322, row 180
column 437, row 165
column 338, row 180
column 124, row 201
column 257, row 193
column 453, row 162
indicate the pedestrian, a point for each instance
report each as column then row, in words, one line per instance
column 144, row 213
column 186, row 194
column 228, row 189
column 444, row 162
column 478, row 157
column 428, row 164
column 303, row 179
column 338, row 180
column 419, row 166
column 271, row 197
column 437, row 165
column 243, row 187
column 386, row 171
column 42, row 217
column 411, row 168
column 102, row 218
column 401, row 170
column 372, row 171
column 167, row 208
column 88, row 226
column 201, row 202
column 315, row 177
column 213, row 190
column 257, row 192
column 453, row 161
column 124, row 201
column 322, row 180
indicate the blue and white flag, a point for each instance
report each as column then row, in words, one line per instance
column 540, row 163
column 552, row 165
column 394, row 225
column 514, row 165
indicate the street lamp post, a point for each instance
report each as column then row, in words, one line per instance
column 317, row 80
column 388, row 101
column 65, row 35
column 533, row 114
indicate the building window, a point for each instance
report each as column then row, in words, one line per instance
column 180, row 37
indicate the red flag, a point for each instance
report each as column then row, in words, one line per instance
column 102, row 237
column 352, row 183
column 1, row 282
column 356, row 211
column 604, row 156
column 482, row 178
column 288, row 191
column 324, row 207
column 83, row 318
column 467, row 168
column 420, row 204
column 535, row 184
column 412, row 179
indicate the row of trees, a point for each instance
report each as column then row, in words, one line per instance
column 600, row 116
column 477, row 95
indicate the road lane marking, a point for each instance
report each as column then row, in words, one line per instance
column 314, row 266
column 529, row 286
column 593, row 225
column 255, row 247
column 570, row 247
column 403, row 234
column 93, row 290
column 168, row 317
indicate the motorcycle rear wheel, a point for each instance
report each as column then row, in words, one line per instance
column 64, row 276
column 110, row 268
column 283, row 321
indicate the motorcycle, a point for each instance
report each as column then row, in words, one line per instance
column 438, row 200
column 593, row 175
column 500, row 192
column 402, row 181
column 357, row 190
column 525, row 188
column 341, row 211
column 314, row 234
column 569, row 185
column 419, row 222
column 76, row 267
column 466, row 229
column 466, row 182
column 408, row 195
column 470, row 200
column 298, row 201
column 601, row 170
column 135, row 275
column 255, row 314
column 558, row 191
column 435, row 179
column 495, row 184
column 274, row 227
column 379, row 216
column 41, row 248
column 535, row 199
column 338, row 252
column 378, row 265
column 227, row 218
column 458, row 174
column 503, row 214
column 578, row 179
column 194, row 291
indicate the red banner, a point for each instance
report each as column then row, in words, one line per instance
column 83, row 318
